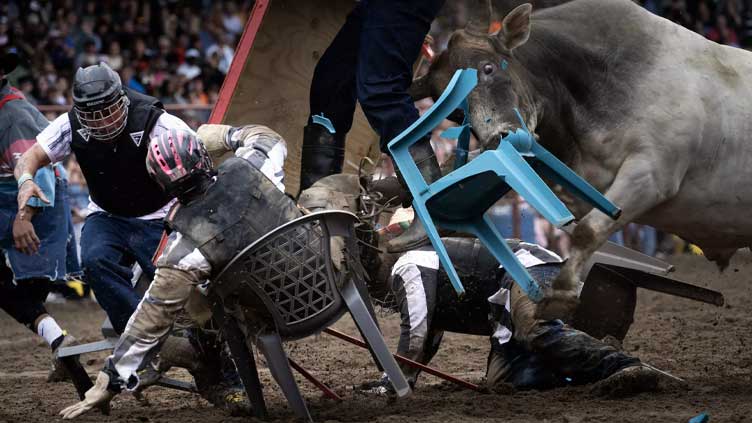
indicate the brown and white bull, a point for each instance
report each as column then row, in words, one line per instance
column 654, row 115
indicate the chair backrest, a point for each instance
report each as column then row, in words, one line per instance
column 289, row 272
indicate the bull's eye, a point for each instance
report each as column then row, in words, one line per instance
column 488, row 69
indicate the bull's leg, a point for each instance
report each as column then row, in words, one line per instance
column 640, row 184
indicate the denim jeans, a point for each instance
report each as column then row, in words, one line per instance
column 57, row 256
column 370, row 60
column 110, row 245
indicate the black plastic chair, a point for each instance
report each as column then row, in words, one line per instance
column 286, row 286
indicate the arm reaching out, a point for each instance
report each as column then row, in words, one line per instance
column 32, row 160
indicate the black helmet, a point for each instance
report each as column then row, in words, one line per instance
column 178, row 162
column 99, row 101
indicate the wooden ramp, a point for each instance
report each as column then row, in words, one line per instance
column 270, row 77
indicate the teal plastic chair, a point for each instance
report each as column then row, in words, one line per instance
column 459, row 201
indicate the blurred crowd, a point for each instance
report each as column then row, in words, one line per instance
column 723, row 21
column 177, row 51
column 180, row 51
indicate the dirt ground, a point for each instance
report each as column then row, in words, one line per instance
column 701, row 343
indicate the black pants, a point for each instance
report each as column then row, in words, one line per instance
column 370, row 61
column 24, row 301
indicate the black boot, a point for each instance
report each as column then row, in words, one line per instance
column 415, row 235
column 323, row 154
column 216, row 377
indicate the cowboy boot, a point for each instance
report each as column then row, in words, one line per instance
column 415, row 235
column 323, row 154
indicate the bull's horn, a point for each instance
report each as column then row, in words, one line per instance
column 480, row 19
column 420, row 88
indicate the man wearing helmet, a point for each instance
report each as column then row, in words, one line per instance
column 106, row 130
column 218, row 213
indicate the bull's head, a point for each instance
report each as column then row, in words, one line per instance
column 500, row 78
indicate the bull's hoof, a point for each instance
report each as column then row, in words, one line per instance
column 557, row 304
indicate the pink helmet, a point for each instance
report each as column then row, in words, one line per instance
column 173, row 159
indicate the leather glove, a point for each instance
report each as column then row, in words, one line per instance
column 98, row 396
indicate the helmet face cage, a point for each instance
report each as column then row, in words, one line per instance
column 107, row 122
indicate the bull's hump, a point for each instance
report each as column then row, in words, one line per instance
column 600, row 50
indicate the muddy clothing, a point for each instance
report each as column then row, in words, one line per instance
column 259, row 144
column 525, row 352
column 236, row 209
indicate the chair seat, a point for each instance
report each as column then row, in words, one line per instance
column 478, row 192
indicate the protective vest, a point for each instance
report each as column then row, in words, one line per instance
column 116, row 170
column 240, row 207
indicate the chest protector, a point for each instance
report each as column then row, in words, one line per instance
column 241, row 206
column 116, row 170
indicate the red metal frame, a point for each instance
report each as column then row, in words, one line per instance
column 238, row 62
column 321, row 385
column 411, row 363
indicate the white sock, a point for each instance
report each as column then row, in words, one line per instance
column 49, row 330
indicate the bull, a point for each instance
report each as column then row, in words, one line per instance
column 653, row 114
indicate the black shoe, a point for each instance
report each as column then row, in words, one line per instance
column 231, row 398
column 58, row 372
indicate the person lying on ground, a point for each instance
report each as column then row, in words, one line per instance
column 525, row 353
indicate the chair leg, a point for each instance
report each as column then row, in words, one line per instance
column 363, row 291
column 271, row 347
column 438, row 246
column 244, row 362
column 492, row 239
column 372, row 336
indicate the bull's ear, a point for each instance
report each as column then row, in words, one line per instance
column 515, row 28
column 420, row 88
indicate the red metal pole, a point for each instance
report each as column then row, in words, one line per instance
column 321, row 385
column 411, row 363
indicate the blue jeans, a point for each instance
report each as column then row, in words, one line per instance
column 370, row 60
column 57, row 255
column 110, row 245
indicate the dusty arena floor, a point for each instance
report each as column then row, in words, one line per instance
column 707, row 346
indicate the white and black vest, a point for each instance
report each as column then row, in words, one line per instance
column 116, row 170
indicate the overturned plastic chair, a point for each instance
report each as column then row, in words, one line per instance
column 459, row 200
column 285, row 286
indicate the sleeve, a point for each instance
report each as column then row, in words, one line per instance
column 167, row 122
column 263, row 148
column 414, row 282
column 180, row 268
column 56, row 138
column 150, row 325
column 45, row 179
column 181, row 254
